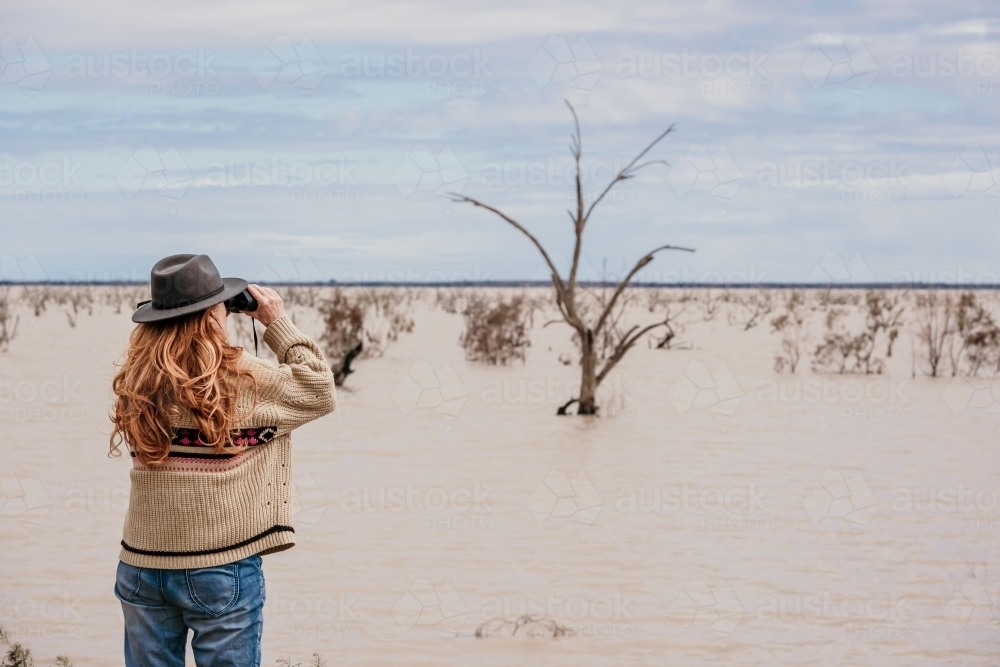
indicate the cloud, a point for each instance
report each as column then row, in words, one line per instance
column 410, row 134
column 71, row 26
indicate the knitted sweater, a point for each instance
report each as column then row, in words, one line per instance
column 201, row 508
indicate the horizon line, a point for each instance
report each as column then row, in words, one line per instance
column 543, row 283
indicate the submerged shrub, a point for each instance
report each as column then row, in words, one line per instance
column 362, row 325
column 846, row 351
column 8, row 321
column 792, row 325
column 496, row 331
column 530, row 626
column 20, row 656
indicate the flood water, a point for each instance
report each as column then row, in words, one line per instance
column 717, row 513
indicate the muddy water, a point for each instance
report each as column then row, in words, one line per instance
column 714, row 516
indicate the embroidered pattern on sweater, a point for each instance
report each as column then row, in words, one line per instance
column 251, row 437
column 189, row 453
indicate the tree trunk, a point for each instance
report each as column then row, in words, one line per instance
column 588, row 376
column 345, row 368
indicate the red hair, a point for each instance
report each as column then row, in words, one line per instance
column 184, row 363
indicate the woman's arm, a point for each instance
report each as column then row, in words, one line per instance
column 301, row 388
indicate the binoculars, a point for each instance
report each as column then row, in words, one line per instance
column 242, row 302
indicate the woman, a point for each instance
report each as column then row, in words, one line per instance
column 208, row 428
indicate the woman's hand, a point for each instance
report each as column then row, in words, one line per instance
column 269, row 305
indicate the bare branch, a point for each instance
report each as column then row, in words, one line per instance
column 624, row 346
column 459, row 198
column 625, row 281
column 578, row 221
column 626, row 335
column 627, row 171
column 629, row 167
column 565, row 305
column 577, row 137
column 644, row 165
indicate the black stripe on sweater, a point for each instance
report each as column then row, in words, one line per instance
column 206, row 552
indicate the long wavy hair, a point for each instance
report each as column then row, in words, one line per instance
column 177, row 365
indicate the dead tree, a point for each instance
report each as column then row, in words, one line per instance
column 589, row 328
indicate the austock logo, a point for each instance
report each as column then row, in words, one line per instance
column 327, row 182
column 309, row 503
column 426, row 605
column 734, row 508
column 149, row 169
column 882, row 617
column 21, row 268
column 413, row 65
column 285, row 268
column 182, row 74
column 976, row 393
column 975, row 605
column 54, row 391
column 23, row 497
column 558, row 496
column 411, row 498
column 423, row 387
column 23, row 64
column 49, row 182
column 315, row 617
column 698, row 387
column 426, row 170
column 50, row 616
column 284, row 62
column 835, row 496
column 601, row 616
column 832, row 269
column 558, row 61
column 706, row 170
column 864, row 181
column 835, row 61
column 974, row 170
column 702, row 604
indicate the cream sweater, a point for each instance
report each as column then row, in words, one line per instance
column 202, row 509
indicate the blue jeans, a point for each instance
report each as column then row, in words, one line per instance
column 223, row 606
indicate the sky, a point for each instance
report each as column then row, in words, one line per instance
column 813, row 142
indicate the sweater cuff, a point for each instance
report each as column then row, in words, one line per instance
column 280, row 335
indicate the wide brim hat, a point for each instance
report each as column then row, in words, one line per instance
column 185, row 284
